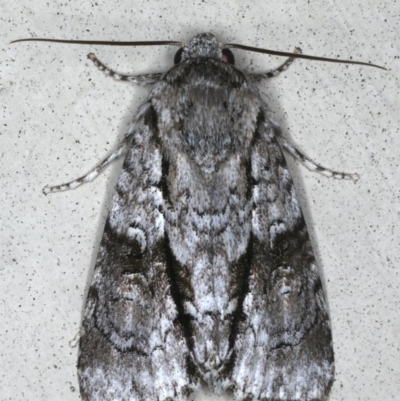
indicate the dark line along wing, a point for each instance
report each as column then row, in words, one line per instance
column 133, row 346
column 283, row 347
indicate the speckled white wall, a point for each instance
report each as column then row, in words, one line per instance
column 59, row 116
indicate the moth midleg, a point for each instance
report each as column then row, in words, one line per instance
column 312, row 166
column 91, row 175
column 274, row 73
column 144, row 79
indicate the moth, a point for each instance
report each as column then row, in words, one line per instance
column 205, row 273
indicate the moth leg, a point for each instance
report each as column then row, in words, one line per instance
column 274, row 73
column 142, row 80
column 307, row 162
column 91, row 175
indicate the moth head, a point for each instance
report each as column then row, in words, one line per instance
column 204, row 45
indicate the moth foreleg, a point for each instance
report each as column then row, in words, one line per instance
column 274, row 73
column 144, row 79
column 91, row 175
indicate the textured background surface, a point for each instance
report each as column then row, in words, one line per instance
column 59, row 116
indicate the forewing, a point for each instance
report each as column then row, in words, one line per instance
column 283, row 348
column 133, row 347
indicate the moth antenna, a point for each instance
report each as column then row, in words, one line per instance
column 295, row 55
column 103, row 42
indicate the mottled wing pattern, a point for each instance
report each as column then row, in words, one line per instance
column 205, row 270
column 283, row 347
column 133, row 347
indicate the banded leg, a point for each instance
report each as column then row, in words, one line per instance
column 91, row 175
column 274, row 73
column 142, row 80
column 308, row 163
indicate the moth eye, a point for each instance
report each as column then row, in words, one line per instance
column 228, row 56
column 178, row 56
